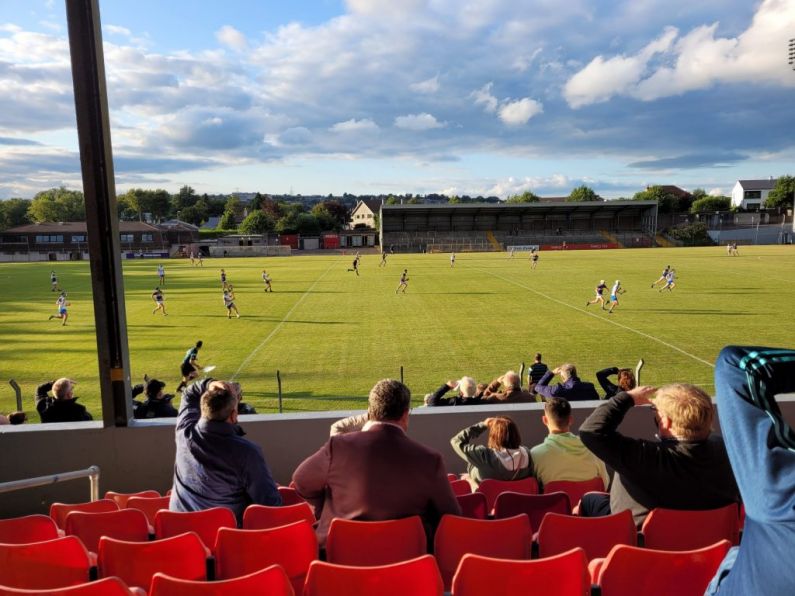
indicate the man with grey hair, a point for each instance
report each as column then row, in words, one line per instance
column 467, row 393
column 570, row 388
column 215, row 466
column 62, row 406
column 507, row 389
column 379, row 473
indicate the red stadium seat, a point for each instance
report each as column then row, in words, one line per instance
column 595, row 535
column 371, row 543
column 110, row 586
column 126, row 524
column 461, row 487
column 204, row 523
column 630, row 570
column 473, row 505
column 149, row 505
column 136, row 563
column 272, row 581
column 456, row 536
column 59, row 511
column 30, row 528
column 575, row 489
column 417, row 577
column 492, row 488
column 669, row 529
column 534, row 506
column 54, row 563
column 562, row 575
column 290, row 496
column 240, row 552
column 262, row 517
column 122, row 498
column 452, row 477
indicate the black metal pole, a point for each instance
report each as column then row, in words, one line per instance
column 279, row 385
column 96, row 161
column 18, row 392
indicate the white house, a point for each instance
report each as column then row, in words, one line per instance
column 364, row 213
column 751, row 194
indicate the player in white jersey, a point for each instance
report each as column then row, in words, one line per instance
column 452, row 259
column 533, row 258
column 229, row 303
column 159, row 300
column 615, row 291
column 61, row 303
column 54, row 282
column 161, row 273
column 404, row 281
column 663, row 276
column 670, row 281
column 267, row 281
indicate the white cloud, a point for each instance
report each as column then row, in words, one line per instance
column 117, row 30
column 232, row 38
column 516, row 113
column 427, row 86
column 354, row 125
column 717, row 192
column 422, row 121
column 484, row 97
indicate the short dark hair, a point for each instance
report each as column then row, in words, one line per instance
column 558, row 409
column 199, row 344
column 17, row 417
column 388, row 400
column 538, row 356
column 218, row 402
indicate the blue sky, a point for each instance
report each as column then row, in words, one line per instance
column 489, row 97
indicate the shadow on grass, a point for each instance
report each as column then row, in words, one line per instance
column 674, row 311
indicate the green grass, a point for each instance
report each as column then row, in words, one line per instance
column 332, row 334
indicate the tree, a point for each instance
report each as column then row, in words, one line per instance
column 454, row 199
column 782, row 194
column 14, row 212
column 666, row 202
column 257, row 222
column 391, row 200
column 526, row 197
column 338, row 212
column 192, row 215
column 227, row 221
column 708, row 204
column 307, row 224
column 233, row 204
column 58, row 204
column 324, row 218
column 583, row 193
column 256, row 202
column 698, row 193
column 186, row 197
column 287, row 224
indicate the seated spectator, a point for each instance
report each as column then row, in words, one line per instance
column 626, row 380
column 215, row 466
column 687, row 468
column 62, row 406
column 242, row 407
column 571, row 387
column 562, row 456
column 504, row 457
column 14, row 418
column 379, row 473
column 350, row 424
column 537, row 370
column 157, row 404
column 467, row 394
column 761, row 447
column 507, row 389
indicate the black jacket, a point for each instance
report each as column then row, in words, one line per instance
column 437, row 398
column 59, row 410
column 610, row 388
column 154, row 408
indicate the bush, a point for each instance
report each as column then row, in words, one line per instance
column 694, row 234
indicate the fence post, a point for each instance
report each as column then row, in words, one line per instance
column 279, row 384
column 18, row 391
column 401, row 373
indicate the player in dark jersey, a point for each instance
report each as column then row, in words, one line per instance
column 159, row 300
column 355, row 264
column 599, row 297
column 663, row 276
column 404, row 281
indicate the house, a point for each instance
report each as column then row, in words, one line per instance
column 751, row 194
column 363, row 215
column 176, row 231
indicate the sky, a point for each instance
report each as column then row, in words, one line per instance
column 477, row 97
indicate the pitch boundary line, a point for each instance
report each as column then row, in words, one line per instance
column 282, row 322
column 612, row 322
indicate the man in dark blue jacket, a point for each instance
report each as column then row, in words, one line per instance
column 571, row 387
column 215, row 465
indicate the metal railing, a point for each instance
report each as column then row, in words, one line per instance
column 92, row 473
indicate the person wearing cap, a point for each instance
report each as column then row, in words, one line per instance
column 599, row 290
column 62, row 406
column 467, row 394
column 157, row 403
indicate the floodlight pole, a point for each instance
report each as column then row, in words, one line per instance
column 102, row 222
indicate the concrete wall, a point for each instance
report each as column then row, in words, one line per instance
column 142, row 457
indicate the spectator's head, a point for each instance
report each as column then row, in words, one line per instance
column 538, row 357
column 389, row 401
column 219, row 402
column 684, row 411
column 481, row 388
column 199, row 344
column 467, row 387
column 503, row 433
column 154, row 389
column 511, row 380
column 557, row 415
column 62, row 388
column 567, row 371
column 626, row 379
column 17, row 417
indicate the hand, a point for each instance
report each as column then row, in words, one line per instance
column 556, row 371
column 451, row 384
column 642, row 395
column 48, row 385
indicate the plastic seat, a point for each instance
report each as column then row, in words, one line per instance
column 492, row 488
column 126, row 524
column 534, row 506
column 110, row 586
column 669, row 529
column 30, row 528
column 204, row 523
column 456, row 536
column 473, row 505
column 562, row 575
column 261, row 517
column 272, row 581
column 575, row 489
column 371, row 543
column 50, row 564
column 290, row 496
column 418, row 577
column 630, row 570
column 595, row 535
column 452, row 477
column 59, row 511
column 460, row 487
column 122, row 498
column 149, row 505
column 240, row 552
column 136, row 563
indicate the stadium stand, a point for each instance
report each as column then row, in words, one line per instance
column 205, row 524
column 149, row 505
column 492, row 488
column 473, row 505
column 125, row 524
column 272, row 581
column 595, row 535
column 575, row 490
column 670, row 529
column 30, row 528
column 262, row 517
column 418, row 577
column 535, row 507
column 373, row 543
column 54, row 563
column 59, row 511
column 110, row 586
column 122, row 498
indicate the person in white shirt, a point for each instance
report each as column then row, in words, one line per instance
column 614, row 293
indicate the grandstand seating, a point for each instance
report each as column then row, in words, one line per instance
column 125, row 524
column 473, row 505
column 290, row 496
column 575, row 489
column 460, row 487
column 204, row 523
column 261, row 517
column 110, row 586
column 595, row 535
column 565, row 574
column 670, row 529
column 535, row 507
column 418, row 577
column 371, row 543
column 59, row 511
column 492, row 488
column 272, row 581
column 50, row 564
column 149, row 505
column 122, row 498
column 30, row 528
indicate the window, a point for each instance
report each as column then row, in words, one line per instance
column 127, row 237
column 78, row 238
column 147, row 238
column 753, row 194
column 50, row 239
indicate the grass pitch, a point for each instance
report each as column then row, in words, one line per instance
column 333, row 334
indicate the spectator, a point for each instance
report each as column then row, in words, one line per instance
column 626, row 380
column 215, row 466
column 62, row 406
column 761, row 448
column 379, row 473
column 571, row 387
column 562, row 456
column 537, row 370
column 14, row 418
column 350, row 424
column 157, row 403
column 242, row 407
column 507, row 389
column 504, row 458
column 190, row 366
column 467, row 393
column 687, row 468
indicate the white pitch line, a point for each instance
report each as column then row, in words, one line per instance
column 604, row 319
column 282, row 322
